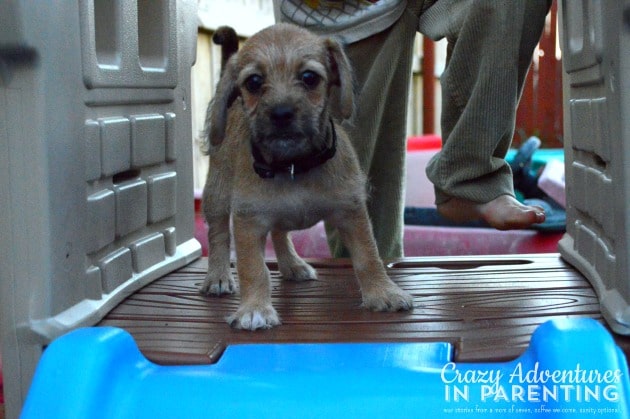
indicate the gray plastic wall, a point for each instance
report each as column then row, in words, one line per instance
column 96, row 196
column 596, row 79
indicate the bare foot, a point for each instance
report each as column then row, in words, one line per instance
column 502, row 213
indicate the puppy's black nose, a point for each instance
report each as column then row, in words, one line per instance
column 282, row 115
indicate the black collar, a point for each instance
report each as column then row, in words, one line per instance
column 301, row 165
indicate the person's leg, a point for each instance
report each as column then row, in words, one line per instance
column 488, row 59
column 382, row 66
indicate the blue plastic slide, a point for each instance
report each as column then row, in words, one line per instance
column 572, row 369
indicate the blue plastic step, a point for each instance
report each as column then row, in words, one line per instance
column 572, row 368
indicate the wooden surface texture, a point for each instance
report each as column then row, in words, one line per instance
column 487, row 307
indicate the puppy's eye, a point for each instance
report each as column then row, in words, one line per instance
column 310, row 79
column 254, row 83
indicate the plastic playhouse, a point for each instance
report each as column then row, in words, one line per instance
column 97, row 205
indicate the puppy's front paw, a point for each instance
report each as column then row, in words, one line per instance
column 388, row 298
column 252, row 318
column 218, row 284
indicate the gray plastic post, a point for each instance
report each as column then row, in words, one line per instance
column 596, row 82
column 96, row 194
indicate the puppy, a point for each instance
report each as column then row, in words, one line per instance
column 279, row 161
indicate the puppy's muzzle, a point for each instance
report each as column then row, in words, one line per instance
column 298, row 165
column 282, row 116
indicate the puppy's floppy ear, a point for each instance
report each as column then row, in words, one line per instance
column 341, row 77
column 226, row 93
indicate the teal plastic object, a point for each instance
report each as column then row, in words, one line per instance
column 572, row 368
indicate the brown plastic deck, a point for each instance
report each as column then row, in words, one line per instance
column 487, row 307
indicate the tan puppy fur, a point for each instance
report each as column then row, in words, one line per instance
column 280, row 93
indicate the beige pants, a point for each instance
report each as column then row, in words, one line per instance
column 490, row 50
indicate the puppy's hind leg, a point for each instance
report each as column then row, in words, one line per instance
column 290, row 264
column 219, row 279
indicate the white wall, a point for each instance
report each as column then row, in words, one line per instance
column 246, row 16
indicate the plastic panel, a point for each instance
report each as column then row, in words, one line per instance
column 95, row 158
column 596, row 41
